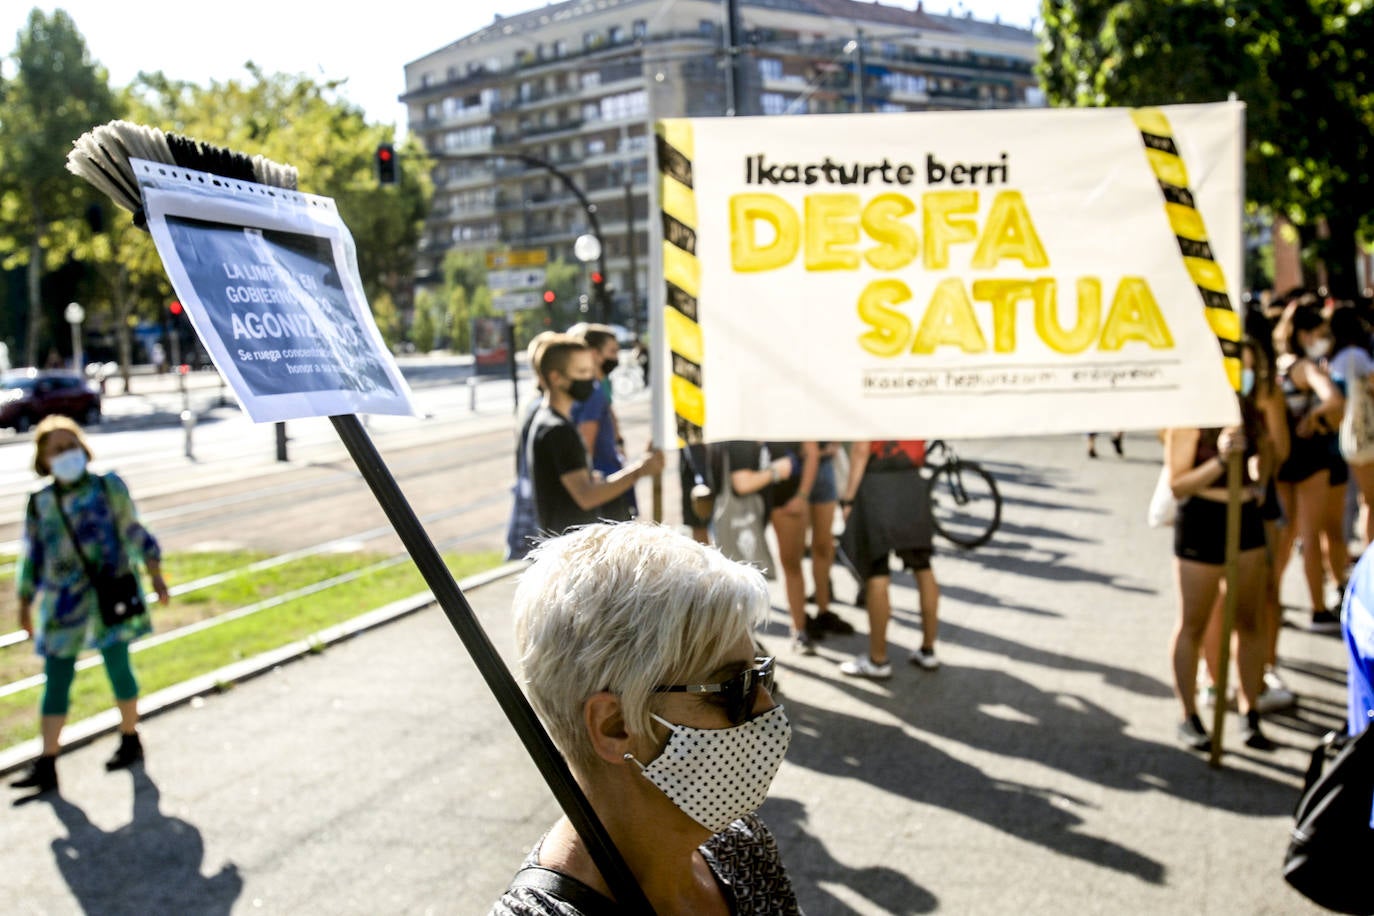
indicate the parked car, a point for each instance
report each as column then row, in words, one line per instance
column 29, row 395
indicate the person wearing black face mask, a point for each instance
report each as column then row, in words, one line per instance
column 566, row 492
column 596, row 420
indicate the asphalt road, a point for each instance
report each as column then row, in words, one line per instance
column 1036, row 772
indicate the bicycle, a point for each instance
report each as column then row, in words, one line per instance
column 965, row 504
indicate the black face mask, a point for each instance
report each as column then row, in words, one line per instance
column 581, row 388
column 608, row 366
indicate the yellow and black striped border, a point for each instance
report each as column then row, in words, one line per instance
column 1167, row 164
column 681, row 276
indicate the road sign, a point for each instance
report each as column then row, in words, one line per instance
column 516, row 278
column 519, row 257
column 516, row 302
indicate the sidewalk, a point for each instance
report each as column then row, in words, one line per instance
column 1035, row 772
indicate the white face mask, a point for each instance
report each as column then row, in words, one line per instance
column 718, row 775
column 68, row 466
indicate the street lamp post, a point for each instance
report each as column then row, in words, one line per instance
column 75, row 314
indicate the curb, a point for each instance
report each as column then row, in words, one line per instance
column 79, row 734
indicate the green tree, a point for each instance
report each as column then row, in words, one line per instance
column 295, row 120
column 422, row 326
column 57, row 93
column 1301, row 67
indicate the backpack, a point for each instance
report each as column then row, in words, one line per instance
column 1332, row 844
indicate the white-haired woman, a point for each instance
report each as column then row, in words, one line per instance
column 636, row 652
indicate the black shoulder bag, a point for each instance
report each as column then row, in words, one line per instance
column 1332, row 843
column 569, row 890
column 117, row 593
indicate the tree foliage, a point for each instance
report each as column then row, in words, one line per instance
column 57, row 92
column 1301, row 66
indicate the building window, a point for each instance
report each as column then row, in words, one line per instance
column 560, row 48
column 616, row 34
column 624, row 105
column 640, row 29
column 591, row 78
column 773, row 103
column 706, row 27
column 596, row 146
column 770, row 69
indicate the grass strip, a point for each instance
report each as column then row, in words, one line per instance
column 200, row 653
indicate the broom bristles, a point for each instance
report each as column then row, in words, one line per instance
column 101, row 157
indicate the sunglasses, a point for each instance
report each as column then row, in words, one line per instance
column 739, row 693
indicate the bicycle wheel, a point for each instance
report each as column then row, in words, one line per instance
column 964, row 503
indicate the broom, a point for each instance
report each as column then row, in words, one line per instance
column 102, row 157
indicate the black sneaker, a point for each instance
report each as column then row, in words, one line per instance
column 814, row 629
column 41, row 776
column 830, row 622
column 1192, row 735
column 1324, row 622
column 129, row 752
column 1251, row 734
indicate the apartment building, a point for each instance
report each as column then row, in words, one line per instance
column 579, row 83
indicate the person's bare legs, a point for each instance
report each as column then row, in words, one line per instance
column 929, row 591
column 879, row 613
column 822, row 551
column 51, row 729
column 1250, row 634
column 1310, row 518
column 1336, row 546
column 1198, row 586
column 790, row 531
column 1304, row 505
column 1363, row 475
column 128, row 716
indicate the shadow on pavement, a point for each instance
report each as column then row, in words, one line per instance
column 810, row 866
column 1026, row 559
column 996, row 712
column 983, row 641
column 887, row 758
column 150, row 865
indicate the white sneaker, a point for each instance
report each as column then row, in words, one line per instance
column 1275, row 695
column 863, row 666
column 925, row 658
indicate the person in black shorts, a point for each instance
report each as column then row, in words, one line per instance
column 887, row 511
column 566, row 493
column 1314, row 408
column 1197, row 460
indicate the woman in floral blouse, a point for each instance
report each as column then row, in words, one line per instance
column 58, row 606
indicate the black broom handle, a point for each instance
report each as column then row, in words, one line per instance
column 517, row 709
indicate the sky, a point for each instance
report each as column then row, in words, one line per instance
column 369, row 44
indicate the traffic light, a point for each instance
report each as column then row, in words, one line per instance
column 386, row 164
column 549, row 296
column 597, row 278
column 175, row 307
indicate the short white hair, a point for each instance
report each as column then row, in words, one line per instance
column 625, row 608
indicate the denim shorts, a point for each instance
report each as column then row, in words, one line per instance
column 823, row 489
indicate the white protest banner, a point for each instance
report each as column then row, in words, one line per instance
column 269, row 279
column 950, row 274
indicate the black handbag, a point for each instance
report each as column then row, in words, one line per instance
column 1332, row 844
column 117, row 594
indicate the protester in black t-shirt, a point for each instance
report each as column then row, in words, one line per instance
column 566, row 492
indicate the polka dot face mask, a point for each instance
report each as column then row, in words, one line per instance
column 717, row 775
